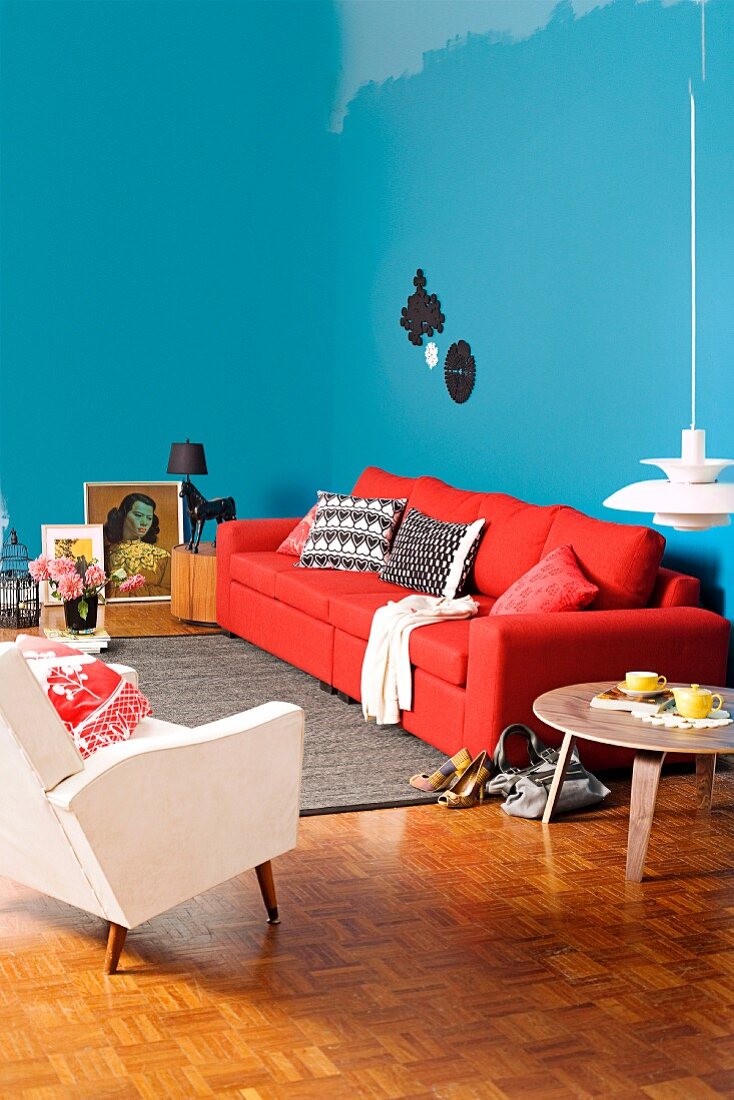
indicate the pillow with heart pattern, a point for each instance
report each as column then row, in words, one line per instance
column 351, row 533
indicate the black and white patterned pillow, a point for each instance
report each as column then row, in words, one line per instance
column 431, row 556
column 352, row 533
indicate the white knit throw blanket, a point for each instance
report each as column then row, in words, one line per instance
column 387, row 683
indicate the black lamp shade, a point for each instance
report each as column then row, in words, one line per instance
column 187, row 458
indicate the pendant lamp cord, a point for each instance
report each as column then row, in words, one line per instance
column 693, row 214
column 693, row 256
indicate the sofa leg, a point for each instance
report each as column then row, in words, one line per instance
column 264, row 874
column 328, row 688
column 231, row 634
column 115, row 940
column 346, row 698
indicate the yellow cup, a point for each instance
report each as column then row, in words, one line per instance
column 696, row 702
column 644, row 681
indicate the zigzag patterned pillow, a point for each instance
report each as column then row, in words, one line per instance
column 351, row 533
column 432, row 556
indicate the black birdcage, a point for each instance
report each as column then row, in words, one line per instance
column 19, row 603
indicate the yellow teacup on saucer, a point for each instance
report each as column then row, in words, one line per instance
column 643, row 682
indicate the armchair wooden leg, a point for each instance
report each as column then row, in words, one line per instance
column 267, row 888
column 115, row 941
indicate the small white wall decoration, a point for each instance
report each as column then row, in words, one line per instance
column 431, row 355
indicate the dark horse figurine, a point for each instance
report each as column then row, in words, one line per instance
column 200, row 510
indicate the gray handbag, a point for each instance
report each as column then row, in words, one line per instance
column 526, row 789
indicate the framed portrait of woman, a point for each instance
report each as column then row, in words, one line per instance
column 141, row 522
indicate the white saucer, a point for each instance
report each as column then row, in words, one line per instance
column 641, row 694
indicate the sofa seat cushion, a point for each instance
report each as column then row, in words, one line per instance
column 514, row 541
column 441, row 648
column 259, row 569
column 621, row 560
column 311, row 590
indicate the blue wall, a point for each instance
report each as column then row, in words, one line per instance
column 188, row 250
column 168, row 201
column 543, row 185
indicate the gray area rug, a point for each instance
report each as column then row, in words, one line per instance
column 349, row 764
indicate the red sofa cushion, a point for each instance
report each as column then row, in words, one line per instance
column 259, row 569
column 441, row 501
column 622, row 561
column 441, row 649
column 513, row 542
column 374, row 482
column 353, row 613
column 555, row 584
column 311, row 590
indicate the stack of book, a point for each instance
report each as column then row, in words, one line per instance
column 614, row 699
column 86, row 643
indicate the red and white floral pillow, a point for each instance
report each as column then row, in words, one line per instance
column 556, row 583
column 95, row 703
column 295, row 542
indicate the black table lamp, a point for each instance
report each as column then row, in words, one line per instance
column 187, row 458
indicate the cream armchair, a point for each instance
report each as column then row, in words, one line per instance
column 147, row 823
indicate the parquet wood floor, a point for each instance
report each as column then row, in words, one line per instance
column 423, row 953
column 123, row 620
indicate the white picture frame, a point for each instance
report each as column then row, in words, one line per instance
column 70, row 540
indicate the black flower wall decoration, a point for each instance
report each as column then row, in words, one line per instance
column 460, row 371
column 422, row 315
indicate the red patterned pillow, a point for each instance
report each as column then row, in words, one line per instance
column 295, row 542
column 556, row 583
column 95, row 703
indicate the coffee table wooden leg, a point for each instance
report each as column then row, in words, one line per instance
column 705, row 769
column 569, row 742
column 645, row 776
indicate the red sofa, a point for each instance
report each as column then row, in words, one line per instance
column 472, row 678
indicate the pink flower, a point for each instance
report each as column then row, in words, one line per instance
column 70, row 586
column 95, row 576
column 61, row 567
column 130, row 584
column 38, row 568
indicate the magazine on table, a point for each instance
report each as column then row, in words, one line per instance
column 614, row 699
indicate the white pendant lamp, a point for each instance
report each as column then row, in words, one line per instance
column 691, row 499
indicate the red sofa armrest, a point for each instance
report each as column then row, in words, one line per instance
column 515, row 658
column 237, row 537
column 675, row 590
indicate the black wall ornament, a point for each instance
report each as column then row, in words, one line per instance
column 422, row 315
column 460, row 371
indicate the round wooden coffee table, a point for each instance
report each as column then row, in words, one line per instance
column 567, row 709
